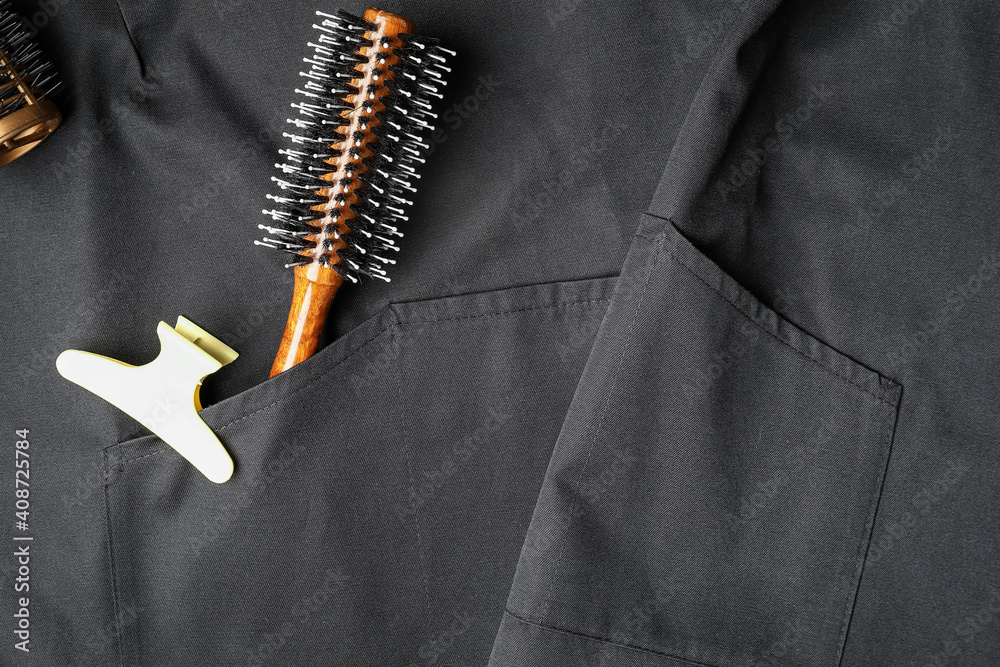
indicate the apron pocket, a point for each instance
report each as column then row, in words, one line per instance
column 371, row 519
column 712, row 493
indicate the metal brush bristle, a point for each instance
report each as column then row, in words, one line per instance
column 27, row 82
column 20, row 58
column 313, row 219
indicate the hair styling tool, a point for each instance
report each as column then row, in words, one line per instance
column 349, row 172
column 27, row 81
column 165, row 394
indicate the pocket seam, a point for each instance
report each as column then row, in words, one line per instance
column 285, row 397
column 130, row 31
column 862, row 558
column 654, row 261
column 852, row 591
column 609, row 642
column 112, row 570
column 663, row 250
column 159, row 451
column 393, row 325
column 504, row 312
column 315, row 379
column 736, row 307
column 829, row 370
column 425, row 579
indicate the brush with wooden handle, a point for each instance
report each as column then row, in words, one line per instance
column 348, row 175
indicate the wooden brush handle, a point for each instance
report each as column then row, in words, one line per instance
column 316, row 283
column 310, row 305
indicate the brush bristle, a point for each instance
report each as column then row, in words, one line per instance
column 350, row 222
column 21, row 58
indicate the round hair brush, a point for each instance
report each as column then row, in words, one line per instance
column 27, row 81
column 347, row 178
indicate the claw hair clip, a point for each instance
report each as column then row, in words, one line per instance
column 164, row 394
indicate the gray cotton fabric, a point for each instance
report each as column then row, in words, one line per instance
column 690, row 357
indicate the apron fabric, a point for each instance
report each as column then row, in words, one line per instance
column 688, row 358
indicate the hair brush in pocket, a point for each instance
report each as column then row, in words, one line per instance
column 27, row 82
column 348, row 175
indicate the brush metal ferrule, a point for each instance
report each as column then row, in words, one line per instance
column 27, row 127
column 27, row 80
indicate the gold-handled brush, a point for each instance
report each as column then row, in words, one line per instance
column 348, row 176
column 27, row 81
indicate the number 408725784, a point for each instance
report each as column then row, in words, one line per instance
column 21, row 479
